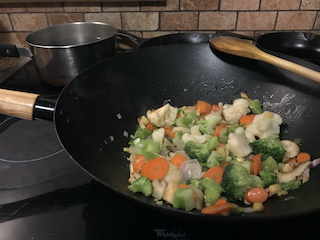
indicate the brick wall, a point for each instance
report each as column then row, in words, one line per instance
column 150, row 19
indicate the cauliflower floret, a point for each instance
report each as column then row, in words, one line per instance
column 158, row 135
column 238, row 143
column 158, row 188
column 239, row 108
column 265, row 124
column 251, row 138
column 164, row 116
column 212, row 113
column 292, row 149
column 195, row 136
column 173, row 174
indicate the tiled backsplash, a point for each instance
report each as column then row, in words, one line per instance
column 150, row 19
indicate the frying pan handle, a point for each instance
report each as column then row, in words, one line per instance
column 131, row 36
column 25, row 105
column 8, row 50
column 231, row 34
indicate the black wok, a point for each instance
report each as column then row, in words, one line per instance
column 87, row 112
column 298, row 44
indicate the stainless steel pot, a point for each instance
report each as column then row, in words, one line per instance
column 62, row 51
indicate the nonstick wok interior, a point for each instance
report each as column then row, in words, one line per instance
column 97, row 109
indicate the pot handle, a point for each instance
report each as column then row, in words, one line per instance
column 135, row 38
column 26, row 105
column 8, row 50
column 11, row 50
column 231, row 34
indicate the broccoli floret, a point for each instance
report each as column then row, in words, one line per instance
column 270, row 146
column 236, row 209
column 183, row 122
column 186, row 120
column 150, row 149
column 235, row 126
column 142, row 184
column 142, row 133
column 201, row 152
column 255, row 106
column 291, row 185
column 214, row 159
column 207, row 126
column 235, row 181
column 256, row 181
column 210, row 183
column 211, row 196
column 178, row 135
column 191, row 115
column 224, row 135
column 195, row 182
column 269, row 164
column 268, row 178
column 183, row 198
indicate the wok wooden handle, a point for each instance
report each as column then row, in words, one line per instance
column 245, row 49
column 17, row 104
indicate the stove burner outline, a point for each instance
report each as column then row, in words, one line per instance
column 20, row 139
column 32, row 160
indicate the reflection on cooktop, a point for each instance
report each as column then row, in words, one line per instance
column 30, row 153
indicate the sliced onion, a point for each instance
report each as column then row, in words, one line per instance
column 315, row 163
column 192, row 109
column 191, row 169
column 179, row 144
column 247, row 210
column 306, row 173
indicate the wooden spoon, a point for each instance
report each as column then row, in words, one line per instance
column 243, row 48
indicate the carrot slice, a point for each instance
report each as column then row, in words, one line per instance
column 217, row 209
column 155, row 168
column 203, row 107
column 220, row 202
column 247, row 119
column 215, row 108
column 138, row 163
column 214, row 173
column 169, row 132
column 223, row 165
column 178, row 159
column 291, row 161
column 256, row 164
column 256, row 195
column 218, row 130
column 150, row 126
column 303, row 157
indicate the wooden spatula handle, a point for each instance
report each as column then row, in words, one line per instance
column 17, row 104
column 243, row 48
column 290, row 66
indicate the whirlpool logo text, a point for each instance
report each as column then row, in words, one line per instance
column 176, row 234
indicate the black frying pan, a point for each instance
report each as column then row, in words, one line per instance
column 87, row 122
column 299, row 44
column 167, row 39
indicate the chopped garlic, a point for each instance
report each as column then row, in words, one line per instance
column 257, row 207
column 287, row 168
column 144, row 120
column 268, row 114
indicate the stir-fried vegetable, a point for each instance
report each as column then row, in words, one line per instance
column 215, row 157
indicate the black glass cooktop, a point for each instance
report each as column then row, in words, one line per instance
column 45, row 195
